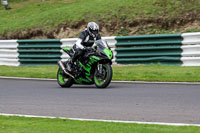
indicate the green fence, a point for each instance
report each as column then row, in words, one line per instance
column 39, row 52
column 146, row 49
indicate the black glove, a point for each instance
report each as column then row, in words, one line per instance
column 88, row 48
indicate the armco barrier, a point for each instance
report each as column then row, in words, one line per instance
column 8, row 53
column 48, row 52
column 146, row 49
column 39, row 52
column 175, row 49
column 191, row 49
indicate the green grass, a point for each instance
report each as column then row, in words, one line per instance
column 29, row 71
column 157, row 73
column 40, row 125
column 128, row 73
column 47, row 15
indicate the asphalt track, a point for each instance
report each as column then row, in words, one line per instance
column 171, row 103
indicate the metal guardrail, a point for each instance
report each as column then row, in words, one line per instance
column 8, row 53
column 39, row 52
column 147, row 49
column 191, row 49
column 175, row 49
column 48, row 52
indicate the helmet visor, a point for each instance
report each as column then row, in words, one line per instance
column 95, row 32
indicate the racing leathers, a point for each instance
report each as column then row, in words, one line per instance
column 84, row 40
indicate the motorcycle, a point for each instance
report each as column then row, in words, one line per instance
column 94, row 67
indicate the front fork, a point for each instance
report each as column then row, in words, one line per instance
column 100, row 68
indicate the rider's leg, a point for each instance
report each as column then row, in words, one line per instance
column 77, row 54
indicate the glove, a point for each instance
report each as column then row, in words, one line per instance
column 88, row 48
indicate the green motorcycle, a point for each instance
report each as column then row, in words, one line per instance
column 92, row 68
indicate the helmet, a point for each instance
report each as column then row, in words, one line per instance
column 93, row 29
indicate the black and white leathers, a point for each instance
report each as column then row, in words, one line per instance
column 86, row 40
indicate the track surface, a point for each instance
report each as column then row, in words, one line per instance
column 120, row 101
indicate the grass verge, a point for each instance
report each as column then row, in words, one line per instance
column 128, row 73
column 13, row 124
column 26, row 14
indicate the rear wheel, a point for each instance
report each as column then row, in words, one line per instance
column 102, row 80
column 63, row 79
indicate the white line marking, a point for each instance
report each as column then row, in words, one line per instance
column 149, row 82
column 101, row 120
column 136, row 82
column 22, row 78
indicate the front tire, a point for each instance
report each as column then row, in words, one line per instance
column 103, row 80
column 63, row 79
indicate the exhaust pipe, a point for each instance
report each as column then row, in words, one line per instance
column 63, row 68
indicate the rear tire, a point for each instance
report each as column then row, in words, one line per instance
column 63, row 79
column 104, row 81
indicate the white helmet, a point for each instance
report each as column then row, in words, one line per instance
column 93, row 29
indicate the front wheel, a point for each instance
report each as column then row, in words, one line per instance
column 102, row 80
column 63, row 79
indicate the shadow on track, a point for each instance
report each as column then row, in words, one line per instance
column 87, row 87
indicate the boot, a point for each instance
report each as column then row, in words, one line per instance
column 69, row 65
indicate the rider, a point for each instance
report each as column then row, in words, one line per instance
column 86, row 39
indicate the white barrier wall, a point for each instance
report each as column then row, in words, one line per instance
column 71, row 41
column 8, row 53
column 191, row 49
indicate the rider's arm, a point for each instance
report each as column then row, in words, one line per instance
column 78, row 43
column 98, row 37
column 80, row 40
